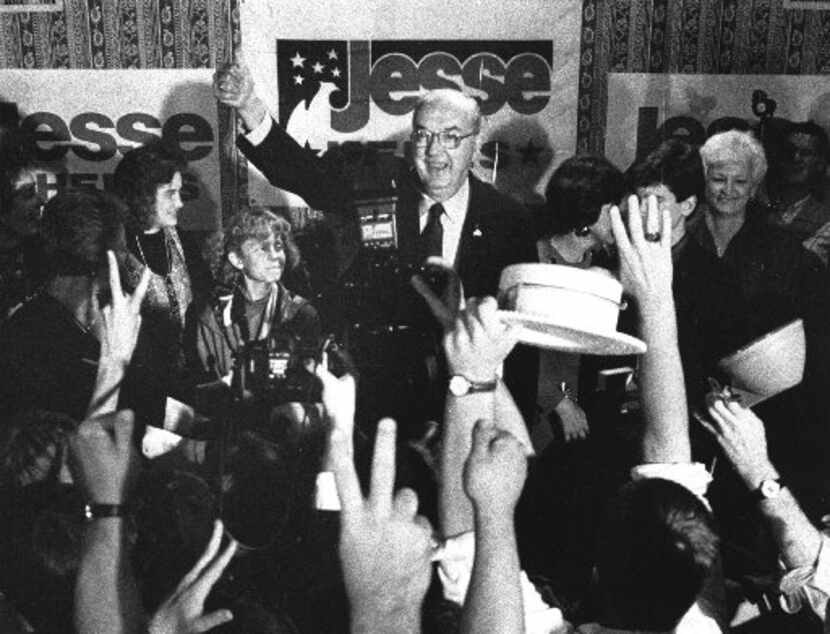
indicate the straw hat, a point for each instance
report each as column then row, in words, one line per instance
column 565, row 308
column 769, row 365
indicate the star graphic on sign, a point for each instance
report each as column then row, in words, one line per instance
column 530, row 153
column 298, row 60
column 332, row 54
column 335, row 72
column 298, row 79
column 317, row 68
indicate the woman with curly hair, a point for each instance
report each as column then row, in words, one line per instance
column 149, row 180
column 255, row 305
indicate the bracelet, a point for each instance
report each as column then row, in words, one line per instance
column 99, row 511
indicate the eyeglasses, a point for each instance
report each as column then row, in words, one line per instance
column 421, row 138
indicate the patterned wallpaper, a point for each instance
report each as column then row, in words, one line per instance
column 113, row 34
column 691, row 36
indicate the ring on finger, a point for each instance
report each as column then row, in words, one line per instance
column 652, row 236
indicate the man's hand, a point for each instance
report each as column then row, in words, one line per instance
column 233, row 85
column 645, row 266
column 479, row 341
column 446, row 307
column 119, row 321
column 339, row 396
column 103, row 459
column 495, row 471
column 183, row 611
column 385, row 548
column 741, row 435
column 573, row 419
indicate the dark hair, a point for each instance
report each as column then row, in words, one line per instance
column 657, row 546
column 139, row 175
column 79, row 227
column 17, row 152
column 675, row 164
column 576, row 192
column 814, row 130
column 28, row 438
column 725, row 124
column 258, row 223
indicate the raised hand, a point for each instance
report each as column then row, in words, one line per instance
column 119, row 321
column 574, row 420
column 479, row 341
column 741, row 435
column 446, row 307
column 645, row 256
column 183, row 611
column 385, row 547
column 495, row 471
column 339, row 396
column 233, row 85
column 103, row 459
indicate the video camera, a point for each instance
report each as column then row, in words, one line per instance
column 280, row 368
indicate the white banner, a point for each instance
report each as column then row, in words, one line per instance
column 343, row 71
column 640, row 105
column 86, row 119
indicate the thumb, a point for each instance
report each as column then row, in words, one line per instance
column 207, row 622
column 483, row 433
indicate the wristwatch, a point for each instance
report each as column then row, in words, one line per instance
column 769, row 489
column 461, row 385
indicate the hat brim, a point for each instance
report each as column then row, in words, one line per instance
column 749, row 399
column 539, row 331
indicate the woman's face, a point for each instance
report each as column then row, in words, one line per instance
column 168, row 202
column 729, row 186
column 261, row 260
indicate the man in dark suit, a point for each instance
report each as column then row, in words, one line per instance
column 441, row 208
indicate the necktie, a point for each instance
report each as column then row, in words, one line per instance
column 432, row 237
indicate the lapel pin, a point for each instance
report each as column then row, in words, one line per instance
column 477, row 232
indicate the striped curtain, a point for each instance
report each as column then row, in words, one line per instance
column 692, row 36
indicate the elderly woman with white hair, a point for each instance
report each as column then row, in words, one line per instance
column 739, row 278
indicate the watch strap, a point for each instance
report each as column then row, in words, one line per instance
column 98, row 511
column 471, row 387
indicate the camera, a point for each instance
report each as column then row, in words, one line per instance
column 275, row 370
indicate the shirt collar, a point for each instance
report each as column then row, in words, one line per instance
column 455, row 208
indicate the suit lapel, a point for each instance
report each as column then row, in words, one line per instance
column 466, row 257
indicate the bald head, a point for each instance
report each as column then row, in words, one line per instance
column 450, row 99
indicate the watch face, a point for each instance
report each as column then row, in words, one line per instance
column 459, row 386
column 770, row 488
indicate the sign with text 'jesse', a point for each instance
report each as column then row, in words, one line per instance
column 85, row 120
column 335, row 91
column 645, row 107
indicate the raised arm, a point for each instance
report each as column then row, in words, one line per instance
column 233, row 86
column 741, row 435
column 104, row 464
column 646, row 273
column 476, row 348
column 280, row 158
column 117, row 327
column 494, row 475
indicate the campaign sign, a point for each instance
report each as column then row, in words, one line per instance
column 85, row 120
column 643, row 108
column 336, row 91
